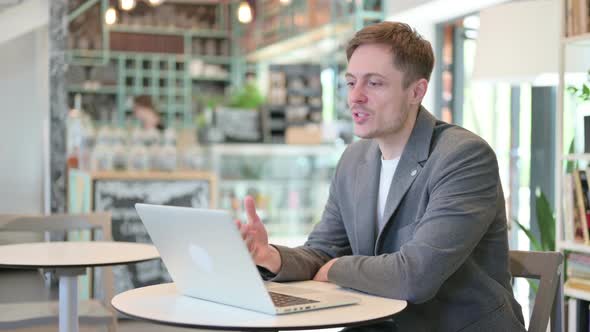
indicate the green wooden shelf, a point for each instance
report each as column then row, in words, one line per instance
column 212, row 79
column 372, row 15
column 203, row 33
column 99, row 90
column 160, row 92
column 213, row 59
column 151, row 73
column 148, row 56
column 86, row 53
column 114, row 54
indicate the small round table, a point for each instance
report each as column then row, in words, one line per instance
column 69, row 260
column 163, row 304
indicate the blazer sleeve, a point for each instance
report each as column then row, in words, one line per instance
column 462, row 205
column 327, row 240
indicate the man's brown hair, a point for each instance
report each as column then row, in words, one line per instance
column 144, row 101
column 412, row 54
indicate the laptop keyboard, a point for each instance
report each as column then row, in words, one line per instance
column 283, row 300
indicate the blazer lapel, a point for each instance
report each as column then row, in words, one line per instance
column 366, row 192
column 412, row 159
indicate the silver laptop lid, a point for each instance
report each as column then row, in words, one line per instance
column 206, row 256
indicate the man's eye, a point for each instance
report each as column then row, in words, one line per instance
column 374, row 83
column 350, row 84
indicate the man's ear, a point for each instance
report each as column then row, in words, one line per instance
column 418, row 91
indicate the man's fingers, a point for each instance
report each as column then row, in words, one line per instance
column 250, row 207
column 244, row 231
column 248, row 234
column 250, row 239
column 250, row 243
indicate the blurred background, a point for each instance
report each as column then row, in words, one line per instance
column 105, row 103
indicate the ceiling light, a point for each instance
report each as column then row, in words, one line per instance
column 155, row 2
column 244, row 12
column 127, row 4
column 285, row 2
column 471, row 34
column 110, row 16
column 471, row 22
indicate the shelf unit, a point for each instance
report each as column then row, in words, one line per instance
column 582, row 39
column 577, row 157
column 170, row 31
column 108, row 90
column 176, row 53
column 279, row 22
column 573, row 42
column 574, row 246
column 163, row 78
column 576, row 294
column 294, row 99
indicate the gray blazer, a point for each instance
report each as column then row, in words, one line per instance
column 444, row 247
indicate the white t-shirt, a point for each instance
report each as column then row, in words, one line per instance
column 387, row 170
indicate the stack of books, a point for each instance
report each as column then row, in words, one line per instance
column 576, row 207
column 578, row 20
column 578, row 271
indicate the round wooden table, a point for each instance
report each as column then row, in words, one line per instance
column 163, row 304
column 69, row 260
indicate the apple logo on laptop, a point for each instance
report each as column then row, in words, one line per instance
column 201, row 258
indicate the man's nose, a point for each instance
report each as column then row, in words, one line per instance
column 357, row 95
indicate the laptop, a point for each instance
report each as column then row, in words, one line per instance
column 207, row 259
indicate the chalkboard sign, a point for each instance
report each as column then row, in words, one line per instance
column 239, row 125
column 119, row 196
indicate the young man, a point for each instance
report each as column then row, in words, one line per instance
column 416, row 210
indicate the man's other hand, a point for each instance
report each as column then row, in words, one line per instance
column 256, row 238
column 322, row 274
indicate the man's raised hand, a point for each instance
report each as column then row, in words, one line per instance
column 256, row 238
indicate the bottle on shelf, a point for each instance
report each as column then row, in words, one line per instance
column 189, row 154
column 80, row 136
column 151, row 141
column 168, row 152
column 119, row 156
column 87, row 143
column 138, row 154
column 194, row 158
column 74, row 133
column 118, row 139
column 101, row 158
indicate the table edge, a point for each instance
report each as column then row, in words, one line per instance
column 72, row 266
column 254, row 328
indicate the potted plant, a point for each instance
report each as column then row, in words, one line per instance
column 545, row 223
column 583, row 92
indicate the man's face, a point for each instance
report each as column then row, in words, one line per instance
column 376, row 97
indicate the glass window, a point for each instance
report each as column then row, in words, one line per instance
column 486, row 110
